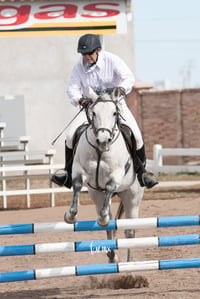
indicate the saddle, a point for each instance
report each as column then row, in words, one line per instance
column 127, row 133
column 129, row 139
column 79, row 131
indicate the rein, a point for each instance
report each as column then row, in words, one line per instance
column 99, row 154
column 113, row 137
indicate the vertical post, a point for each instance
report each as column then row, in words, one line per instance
column 2, row 127
column 24, row 140
column 50, row 154
column 27, row 180
column 4, row 189
column 157, row 157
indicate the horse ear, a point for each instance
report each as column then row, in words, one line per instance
column 92, row 94
column 116, row 93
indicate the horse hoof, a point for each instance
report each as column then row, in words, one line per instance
column 68, row 218
column 114, row 260
column 103, row 221
column 112, row 257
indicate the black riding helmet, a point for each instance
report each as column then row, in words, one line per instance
column 88, row 43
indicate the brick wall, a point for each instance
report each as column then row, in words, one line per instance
column 191, row 118
column 170, row 118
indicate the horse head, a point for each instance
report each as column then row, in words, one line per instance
column 103, row 116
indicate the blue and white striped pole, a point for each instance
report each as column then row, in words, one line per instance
column 91, row 225
column 99, row 269
column 100, row 245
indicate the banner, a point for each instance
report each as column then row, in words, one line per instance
column 62, row 17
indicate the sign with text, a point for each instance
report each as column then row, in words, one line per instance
column 62, row 17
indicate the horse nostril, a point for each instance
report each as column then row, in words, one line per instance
column 97, row 141
column 109, row 139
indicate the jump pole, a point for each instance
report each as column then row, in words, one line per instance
column 92, row 225
column 100, row 269
column 100, row 245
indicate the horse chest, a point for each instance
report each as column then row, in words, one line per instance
column 100, row 167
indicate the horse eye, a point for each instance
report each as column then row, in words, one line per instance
column 115, row 113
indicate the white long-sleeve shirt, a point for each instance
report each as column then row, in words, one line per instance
column 109, row 71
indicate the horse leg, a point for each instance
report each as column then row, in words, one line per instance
column 70, row 215
column 98, row 199
column 133, row 213
column 104, row 216
column 112, row 256
column 131, row 201
column 129, row 233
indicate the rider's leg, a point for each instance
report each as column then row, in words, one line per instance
column 144, row 177
column 65, row 178
column 140, row 162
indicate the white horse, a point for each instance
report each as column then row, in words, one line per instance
column 103, row 163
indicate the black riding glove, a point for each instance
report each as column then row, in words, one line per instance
column 122, row 91
column 85, row 102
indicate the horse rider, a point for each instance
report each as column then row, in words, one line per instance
column 100, row 70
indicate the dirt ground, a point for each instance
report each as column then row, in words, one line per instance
column 184, row 283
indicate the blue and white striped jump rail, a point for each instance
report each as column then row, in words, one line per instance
column 100, row 245
column 99, row 269
column 92, row 225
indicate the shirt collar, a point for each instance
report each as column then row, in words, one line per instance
column 88, row 68
column 100, row 59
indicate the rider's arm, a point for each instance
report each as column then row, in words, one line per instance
column 74, row 89
column 125, row 75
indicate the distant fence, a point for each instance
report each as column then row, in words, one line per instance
column 157, row 165
column 19, row 165
column 27, row 172
column 44, row 169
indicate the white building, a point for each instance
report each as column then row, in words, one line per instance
column 35, row 65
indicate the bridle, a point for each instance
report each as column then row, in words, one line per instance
column 113, row 136
column 90, row 118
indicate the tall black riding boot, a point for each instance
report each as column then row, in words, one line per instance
column 144, row 177
column 65, row 178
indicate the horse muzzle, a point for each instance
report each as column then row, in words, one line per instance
column 104, row 139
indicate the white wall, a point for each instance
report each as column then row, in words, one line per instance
column 38, row 68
